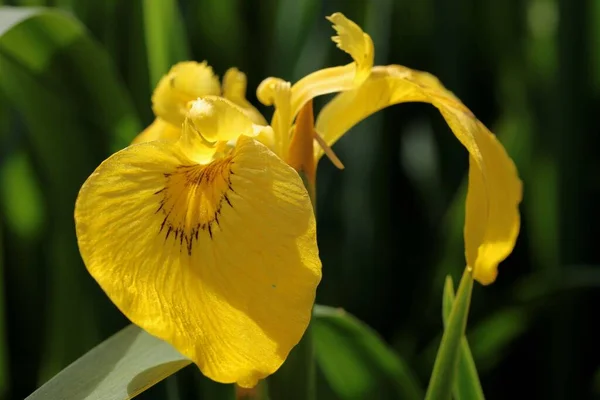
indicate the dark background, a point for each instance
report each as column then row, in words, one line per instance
column 390, row 224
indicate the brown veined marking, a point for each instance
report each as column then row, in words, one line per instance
column 192, row 199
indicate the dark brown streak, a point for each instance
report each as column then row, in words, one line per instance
column 193, row 179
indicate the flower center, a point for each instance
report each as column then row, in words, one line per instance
column 192, row 199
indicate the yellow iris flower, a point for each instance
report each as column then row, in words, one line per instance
column 202, row 231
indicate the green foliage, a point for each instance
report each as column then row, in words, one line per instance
column 121, row 367
column 75, row 86
column 448, row 360
column 165, row 38
column 355, row 363
column 466, row 382
column 295, row 380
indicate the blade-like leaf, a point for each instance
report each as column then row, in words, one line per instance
column 295, row 379
column 121, row 367
column 446, row 362
column 165, row 39
column 73, row 106
column 355, row 362
column 466, row 382
column 20, row 195
column 4, row 373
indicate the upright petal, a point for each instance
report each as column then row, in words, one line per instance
column 353, row 41
column 234, row 89
column 186, row 81
column 492, row 215
column 289, row 100
column 219, row 260
column 159, row 129
column 218, row 119
column 275, row 91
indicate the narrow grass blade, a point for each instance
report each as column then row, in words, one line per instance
column 466, row 382
column 446, row 362
column 165, row 39
column 4, row 373
column 295, row 380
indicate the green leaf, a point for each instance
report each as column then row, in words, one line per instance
column 20, row 195
column 295, row 379
column 73, row 108
column 121, row 367
column 356, row 362
column 209, row 389
column 4, row 371
column 446, row 362
column 60, row 74
column 165, row 39
column 466, row 383
column 492, row 337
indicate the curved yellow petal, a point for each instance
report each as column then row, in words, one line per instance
column 218, row 119
column 186, row 81
column 219, row 260
column 212, row 126
column 387, row 85
column 275, row 91
column 353, row 41
column 492, row 216
column 234, row 89
column 158, row 130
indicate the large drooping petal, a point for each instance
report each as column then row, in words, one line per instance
column 186, row 81
column 219, row 260
column 159, row 129
column 492, row 215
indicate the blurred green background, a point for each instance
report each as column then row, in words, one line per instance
column 389, row 225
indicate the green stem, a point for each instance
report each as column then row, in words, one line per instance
column 446, row 362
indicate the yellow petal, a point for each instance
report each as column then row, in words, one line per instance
column 275, row 91
column 158, row 130
column 234, row 89
column 211, row 123
column 186, row 81
column 386, row 86
column 492, row 215
column 218, row 119
column 493, row 196
column 219, row 260
column 353, row 41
